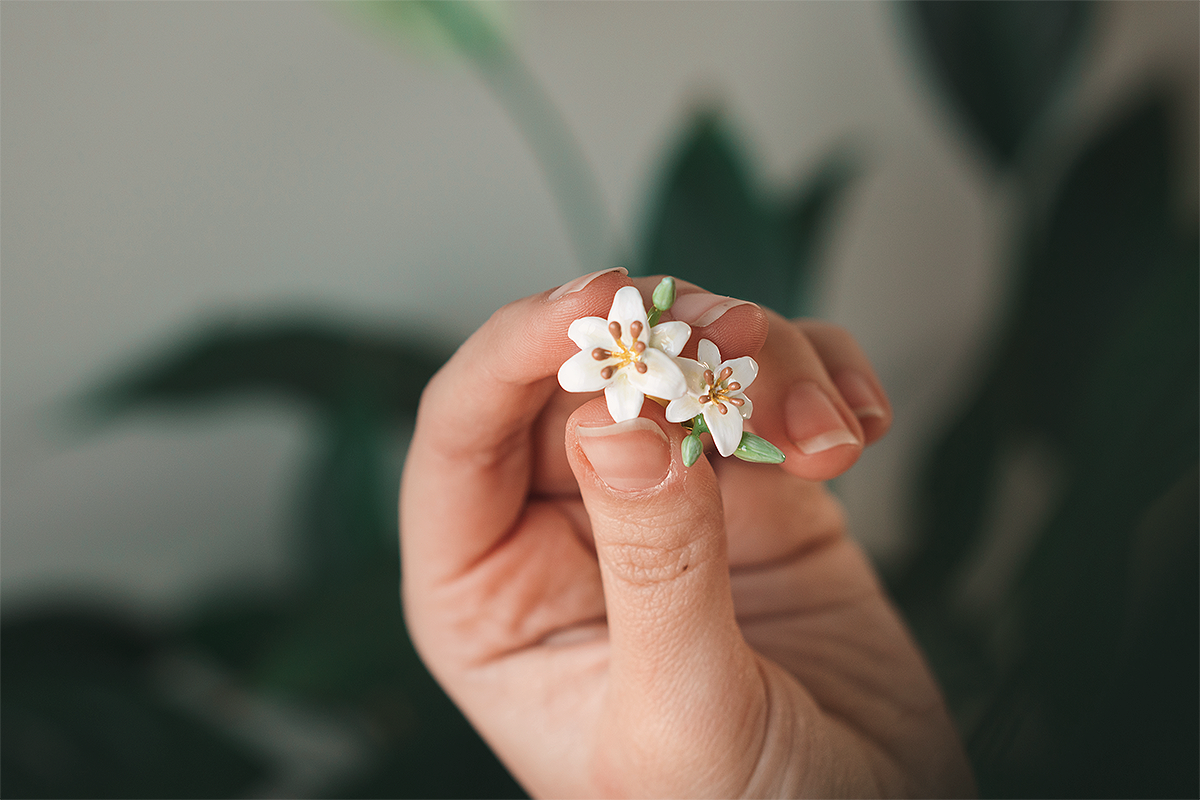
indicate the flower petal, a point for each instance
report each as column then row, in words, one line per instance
column 662, row 377
column 747, row 409
column 623, row 398
column 726, row 429
column 590, row 332
column 745, row 370
column 581, row 373
column 626, row 309
column 707, row 353
column 683, row 408
column 693, row 373
column 670, row 337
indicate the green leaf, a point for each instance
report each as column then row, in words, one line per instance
column 316, row 363
column 422, row 30
column 1001, row 63
column 713, row 226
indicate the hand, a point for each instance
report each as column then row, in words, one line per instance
column 617, row 624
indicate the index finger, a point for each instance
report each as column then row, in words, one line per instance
column 470, row 460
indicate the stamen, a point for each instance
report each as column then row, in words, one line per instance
column 705, row 399
column 708, row 378
column 635, row 329
column 638, row 347
column 600, row 354
column 640, row 366
column 737, row 401
column 614, row 328
column 606, row 373
column 733, row 387
column 725, row 374
column 721, row 407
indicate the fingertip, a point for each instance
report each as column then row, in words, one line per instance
column 825, row 437
column 867, row 400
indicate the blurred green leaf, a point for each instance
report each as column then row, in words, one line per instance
column 311, row 362
column 82, row 718
column 714, row 227
column 1001, row 63
column 420, row 28
column 1106, row 238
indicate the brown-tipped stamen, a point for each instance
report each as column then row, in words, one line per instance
column 606, row 373
column 614, row 328
column 737, row 401
column 600, row 354
column 635, row 329
column 708, row 378
column 721, row 407
column 640, row 366
column 733, row 387
column 704, row 399
column 726, row 374
column 639, row 347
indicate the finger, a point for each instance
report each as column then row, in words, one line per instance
column 799, row 408
column 675, row 646
column 736, row 326
column 469, row 463
column 853, row 375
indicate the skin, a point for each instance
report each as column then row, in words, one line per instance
column 713, row 632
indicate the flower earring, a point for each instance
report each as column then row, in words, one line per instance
column 631, row 356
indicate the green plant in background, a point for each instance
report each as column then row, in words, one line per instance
column 1083, row 682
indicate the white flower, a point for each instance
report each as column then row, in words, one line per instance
column 625, row 357
column 716, row 389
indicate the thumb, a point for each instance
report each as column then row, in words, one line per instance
column 682, row 681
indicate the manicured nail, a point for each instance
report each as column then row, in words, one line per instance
column 859, row 394
column 580, row 283
column 813, row 421
column 701, row 308
column 628, row 456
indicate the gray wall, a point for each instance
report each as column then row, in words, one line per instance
column 164, row 164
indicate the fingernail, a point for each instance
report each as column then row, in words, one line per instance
column 580, row 283
column 813, row 421
column 628, row 456
column 701, row 308
column 859, row 394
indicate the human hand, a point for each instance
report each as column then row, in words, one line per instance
column 617, row 624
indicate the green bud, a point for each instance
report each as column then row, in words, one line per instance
column 664, row 294
column 757, row 449
column 691, row 448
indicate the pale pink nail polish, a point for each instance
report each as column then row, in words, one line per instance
column 628, row 456
column 702, row 309
column 581, row 282
column 859, row 394
column 813, row 422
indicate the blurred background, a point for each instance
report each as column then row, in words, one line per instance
column 236, row 238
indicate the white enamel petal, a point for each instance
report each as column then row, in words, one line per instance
column 590, row 332
column 626, row 309
column 708, row 353
column 670, row 337
column 745, row 370
column 581, row 373
column 726, row 429
column 693, row 373
column 747, row 409
column 623, row 398
column 662, row 377
column 682, row 409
